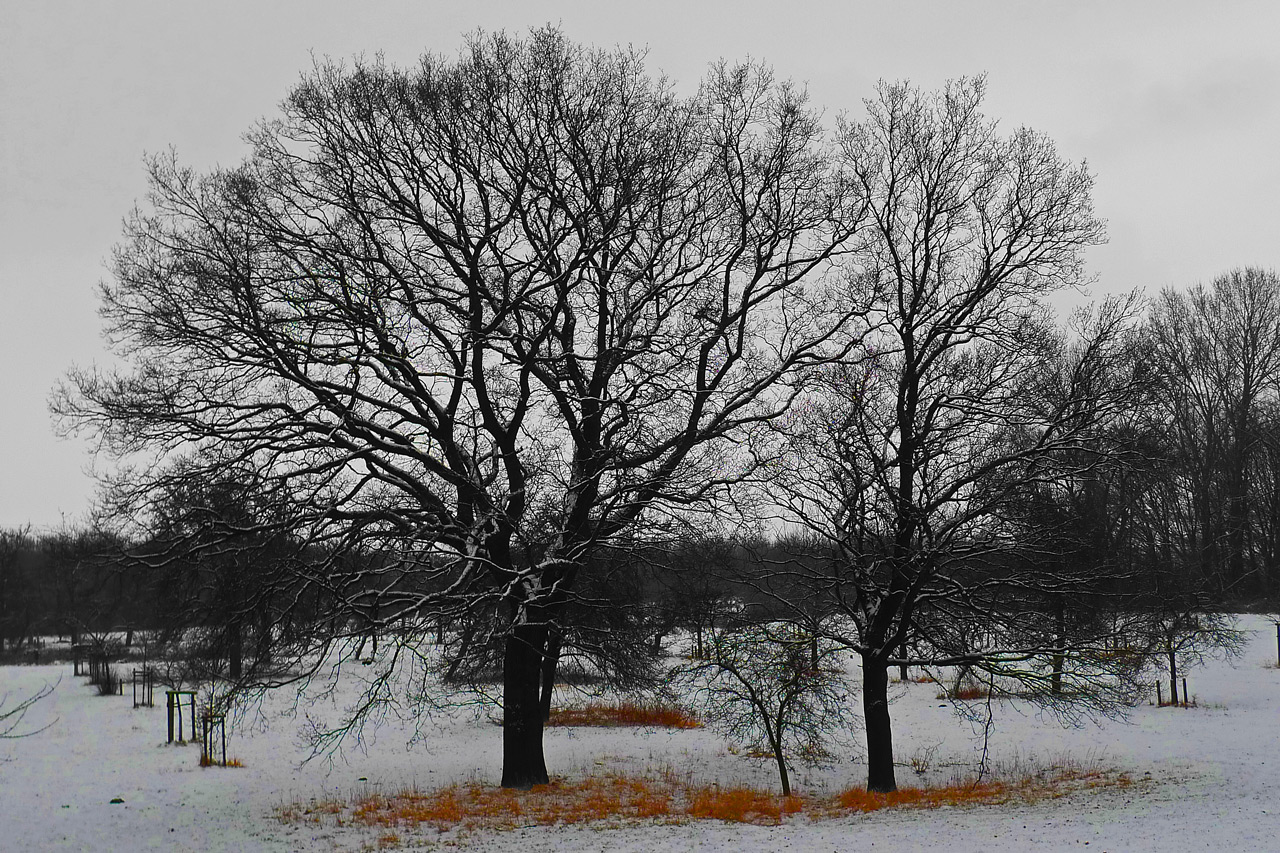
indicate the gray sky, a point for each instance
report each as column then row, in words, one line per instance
column 1175, row 105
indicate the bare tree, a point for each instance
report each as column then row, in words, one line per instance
column 1264, row 482
column 1216, row 354
column 1183, row 626
column 16, row 589
column 903, row 461
column 12, row 713
column 212, row 540
column 773, row 687
column 485, row 315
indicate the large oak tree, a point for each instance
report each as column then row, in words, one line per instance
column 489, row 313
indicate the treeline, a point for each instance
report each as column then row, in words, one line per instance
column 1181, row 483
column 66, row 584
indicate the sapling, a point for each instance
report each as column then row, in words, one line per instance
column 773, row 688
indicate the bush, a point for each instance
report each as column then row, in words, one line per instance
column 108, row 682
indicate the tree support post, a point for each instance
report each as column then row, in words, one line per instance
column 213, row 732
column 174, row 700
column 143, row 687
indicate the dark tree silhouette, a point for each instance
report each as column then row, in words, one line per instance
column 1215, row 354
column 903, row 461
column 484, row 315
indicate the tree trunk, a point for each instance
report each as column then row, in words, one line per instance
column 235, row 649
column 1173, row 678
column 875, row 711
column 782, row 768
column 1060, row 644
column 523, row 763
column 468, row 634
column 550, row 661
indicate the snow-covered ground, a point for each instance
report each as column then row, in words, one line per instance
column 1209, row 776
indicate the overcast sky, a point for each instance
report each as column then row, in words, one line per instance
column 1175, row 106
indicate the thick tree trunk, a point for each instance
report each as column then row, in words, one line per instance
column 875, row 710
column 1173, row 678
column 523, row 763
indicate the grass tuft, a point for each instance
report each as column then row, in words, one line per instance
column 625, row 714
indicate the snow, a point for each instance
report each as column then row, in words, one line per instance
column 1212, row 783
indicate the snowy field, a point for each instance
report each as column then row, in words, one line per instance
column 1208, row 777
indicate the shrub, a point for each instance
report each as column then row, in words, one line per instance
column 108, row 683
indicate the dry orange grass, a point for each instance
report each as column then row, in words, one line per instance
column 594, row 799
column 625, row 714
column 982, row 792
column 740, row 804
column 964, row 692
column 956, row 794
column 618, row 799
column 206, row 761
